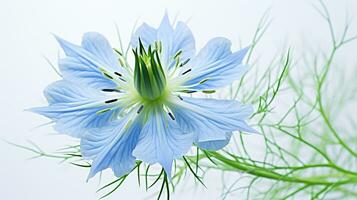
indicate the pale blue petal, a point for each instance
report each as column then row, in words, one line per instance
column 161, row 141
column 173, row 39
column 99, row 46
column 73, row 108
column 147, row 35
column 111, row 146
column 83, row 63
column 211, row 119
column 165, row 34
column 83, row 73
column 180, row 40
column 192, row 122
column 215, row 145
column 215, row 65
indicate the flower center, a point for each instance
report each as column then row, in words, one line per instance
column 149, row 76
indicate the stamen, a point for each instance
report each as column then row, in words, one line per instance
column 122, row 63
column 111, row 101
column 186, row 72
column 188, row 91
column 184, row 62
column 178, row 54
column 122, row 79
column 208, row 91
column 118, row 74
column 158, row 46
column 180, row 97
column 140, row 109
column 203, row 81
column 171, row 116
column 118, row 52
column 103, row 111
column 111, row 90
column 107, row 75
column 169, row 112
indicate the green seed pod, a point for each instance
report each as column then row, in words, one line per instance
column 149, row 76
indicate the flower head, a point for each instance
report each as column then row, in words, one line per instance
column 124, row 112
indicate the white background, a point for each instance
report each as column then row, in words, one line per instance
column 25, row 28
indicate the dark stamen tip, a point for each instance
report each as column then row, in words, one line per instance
column 117, row 73
column 110, row 90
column 186, row 72
column 111, row 101
column 140, row 109
column 171, row 116
column 180, row 97
column 122, row 79
column 184, row 62
column 108, row 76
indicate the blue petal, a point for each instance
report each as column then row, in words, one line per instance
column 84, row 73
column 173, row 40
column 215, row 65
column 161, row 141
column 74, row 108
column 147, row 35
column 211, row 119
column 99, row 46
column 83, row 63
column 215, row 145
column 182, row 40
column 111, row 146
column 165, row 34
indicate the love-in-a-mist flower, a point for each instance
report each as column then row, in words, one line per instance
column 145, row 111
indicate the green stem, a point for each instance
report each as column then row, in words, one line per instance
column 263, row 172
column 321, row 108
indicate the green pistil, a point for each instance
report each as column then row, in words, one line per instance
column 149, row 76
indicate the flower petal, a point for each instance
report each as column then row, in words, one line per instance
column 74, row 108
column 161, row 141
column 173, row 40
column 211, row 119
column 83, row 73
column 215, row 145
column 83, row 64
column 215, row 66
column 99, row 46
column 111, row 146
column 146, row 34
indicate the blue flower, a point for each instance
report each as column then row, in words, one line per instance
column 125, row 113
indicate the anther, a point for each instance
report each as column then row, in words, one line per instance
column 180, row 97
column 118, row 74
column 190, row 91
column 140, row 109
column 118, row 52
column 208, row 91
column 122, row 79
column 184, row 62
column 107, row 75
column 103, row 111
column 178, row 54
column 110, row 90
column 171, row 116
column 111, row 101
column 186, row 72
column 203, row 81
